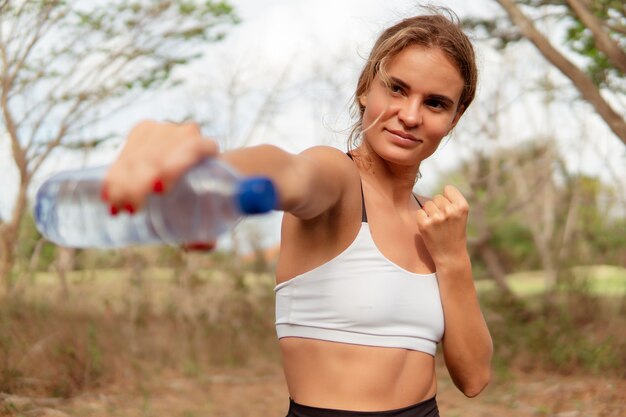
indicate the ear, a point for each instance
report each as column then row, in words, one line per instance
column 363, row 100
column 456, row 118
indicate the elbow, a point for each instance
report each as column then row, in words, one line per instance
column 477, row 384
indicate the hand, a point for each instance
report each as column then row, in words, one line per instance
column 154, row 157
column 443, row 223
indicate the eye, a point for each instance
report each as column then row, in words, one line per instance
column 396, row 88
column 437, row 104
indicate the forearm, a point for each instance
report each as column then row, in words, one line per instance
column 467, row 344
column 303, row 187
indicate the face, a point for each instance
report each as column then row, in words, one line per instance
column 404, row 122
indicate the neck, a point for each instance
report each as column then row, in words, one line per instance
column 393, row 180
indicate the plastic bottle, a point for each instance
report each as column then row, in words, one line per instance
column 206, row 202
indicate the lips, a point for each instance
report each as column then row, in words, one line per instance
column 403, row 134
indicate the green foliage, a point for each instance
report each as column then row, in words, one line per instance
column 514, row 244
column 613, row 14
column 578, row 38
column 586, row 219
column 577, row 331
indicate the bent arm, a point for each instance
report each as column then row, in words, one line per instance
column 467, row 344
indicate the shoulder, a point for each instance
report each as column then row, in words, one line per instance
column 332, row 163
column 327, row 154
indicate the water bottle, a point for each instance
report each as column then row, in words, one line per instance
column 206, row 202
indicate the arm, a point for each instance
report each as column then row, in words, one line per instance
column 155, row 155
column 308, row 184
column 467, row 344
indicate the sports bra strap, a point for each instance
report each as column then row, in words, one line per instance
column 418, row 201
column 363, row 212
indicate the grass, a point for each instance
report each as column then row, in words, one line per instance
column 604, row 280
column 111, row 283
column 110, row 289
column 120, row 327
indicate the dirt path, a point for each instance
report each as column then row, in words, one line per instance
column 261, row 391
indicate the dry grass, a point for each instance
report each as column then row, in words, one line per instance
column 198, row 342
column 110, row 328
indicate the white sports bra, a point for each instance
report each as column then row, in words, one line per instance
column 361, row 297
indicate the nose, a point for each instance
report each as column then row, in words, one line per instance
column 410, row 113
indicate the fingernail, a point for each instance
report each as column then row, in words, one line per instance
column 129, row 208
column 113, row 210
column 200, row 246
column 104, row 194
column 158, row 186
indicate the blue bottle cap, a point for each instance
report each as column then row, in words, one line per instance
column 257, row 195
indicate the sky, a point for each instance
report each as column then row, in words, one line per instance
column 290, row 45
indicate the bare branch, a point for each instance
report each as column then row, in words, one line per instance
column 267, row 105
column 44, row 23
column 617, row 29
column 73, row 112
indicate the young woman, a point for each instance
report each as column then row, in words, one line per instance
column 371, row 278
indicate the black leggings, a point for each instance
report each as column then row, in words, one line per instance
column 426, row 408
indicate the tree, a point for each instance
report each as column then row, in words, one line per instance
column 594, row 31
column 525, row 183
column 66, row 64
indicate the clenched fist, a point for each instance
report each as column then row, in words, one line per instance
column 443, row 223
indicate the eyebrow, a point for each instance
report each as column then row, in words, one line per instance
column 404, row 85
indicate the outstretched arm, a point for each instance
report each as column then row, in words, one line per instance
column 155, row 155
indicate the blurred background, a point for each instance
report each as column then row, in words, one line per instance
column 540, row 156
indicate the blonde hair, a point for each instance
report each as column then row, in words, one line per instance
column 441, row 30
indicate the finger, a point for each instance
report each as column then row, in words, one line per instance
column 126, row 187
column 184, row 157
column 441, row 202
column 453, row 194
column 422, row 217
column 431, row 209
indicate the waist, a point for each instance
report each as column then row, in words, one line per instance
column 342, row 376
column 426, row 408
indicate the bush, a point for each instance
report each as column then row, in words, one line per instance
column 565, row 333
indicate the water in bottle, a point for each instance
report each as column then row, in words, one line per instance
column 206, row 202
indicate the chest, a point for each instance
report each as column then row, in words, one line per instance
column 398, row 238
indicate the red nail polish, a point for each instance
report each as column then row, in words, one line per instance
column 113, row 210
column 104, row 194
column 129, row 208
column 158, row 186
column 200, row 246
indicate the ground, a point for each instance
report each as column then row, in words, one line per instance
column 260, row 391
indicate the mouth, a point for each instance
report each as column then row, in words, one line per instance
column 402, row 134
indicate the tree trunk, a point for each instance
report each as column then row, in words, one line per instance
column 65, row 259
column 6, row 260
column 495, row 269
column 536, row 181
column 9, row 235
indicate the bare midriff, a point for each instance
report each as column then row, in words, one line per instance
column 355, row 377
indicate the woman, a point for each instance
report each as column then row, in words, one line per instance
column 370, row 277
